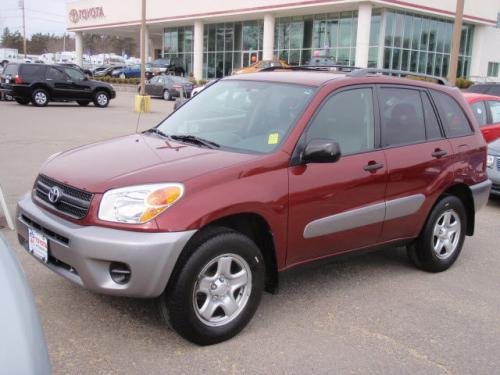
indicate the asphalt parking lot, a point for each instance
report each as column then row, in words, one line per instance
column 362, row 314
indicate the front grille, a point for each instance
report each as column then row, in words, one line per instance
column 498, row 162
column 47, row 232
column 495, row 187
column 72, row 202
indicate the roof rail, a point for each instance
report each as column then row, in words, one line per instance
column 400, row 73
column 321, row 68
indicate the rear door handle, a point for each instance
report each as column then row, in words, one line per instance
column 437, row 153
column 373, row 166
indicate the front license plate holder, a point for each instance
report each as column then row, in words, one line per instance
column 38, row 245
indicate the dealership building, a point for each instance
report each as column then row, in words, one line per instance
column 216, row 37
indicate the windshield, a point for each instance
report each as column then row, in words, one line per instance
column 245, row 116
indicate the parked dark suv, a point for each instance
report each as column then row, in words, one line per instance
column 40, row 83
column 257, row 174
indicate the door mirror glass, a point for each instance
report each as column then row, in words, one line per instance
column 321, row 151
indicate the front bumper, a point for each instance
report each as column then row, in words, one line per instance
column 83, row 254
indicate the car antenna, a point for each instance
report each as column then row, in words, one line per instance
column 141, row 109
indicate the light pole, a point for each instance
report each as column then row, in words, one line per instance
column 455, row 45
column 143, row 47
column 21, row 5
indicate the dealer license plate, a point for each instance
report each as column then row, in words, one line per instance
column 38, row 245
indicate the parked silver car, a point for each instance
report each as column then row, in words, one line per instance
column 22, row 345
column 169, row 87
column 493, row 163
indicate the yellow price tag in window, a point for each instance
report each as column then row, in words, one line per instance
column 273, row 139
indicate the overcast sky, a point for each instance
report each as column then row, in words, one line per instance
column 45, row 16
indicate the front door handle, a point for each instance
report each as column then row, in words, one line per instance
column 437, row 153
column 372, row 166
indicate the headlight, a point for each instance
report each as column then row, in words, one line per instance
column 490, row 160
column 138, row 204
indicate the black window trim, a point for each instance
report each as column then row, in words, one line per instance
column 472, row 130
column 407, row 87
column 301, row 143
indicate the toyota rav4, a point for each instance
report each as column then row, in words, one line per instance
column 257, row 174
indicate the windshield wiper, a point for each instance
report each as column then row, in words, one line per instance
column 157, row 131
column 194, row 139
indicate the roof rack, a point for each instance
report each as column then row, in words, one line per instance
column 321, row 68
column 399, row 73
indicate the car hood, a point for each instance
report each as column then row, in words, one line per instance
column 134, row 160
column 494, row 147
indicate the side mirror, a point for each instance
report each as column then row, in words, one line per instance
column 321, row 151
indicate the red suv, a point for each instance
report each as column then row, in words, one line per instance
column 256, row 174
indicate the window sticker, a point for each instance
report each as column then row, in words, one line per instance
column 273, row 139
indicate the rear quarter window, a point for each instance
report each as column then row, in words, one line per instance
column 11, row 69
column 454, row 122
column 32, row 72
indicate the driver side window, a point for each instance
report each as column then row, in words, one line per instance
column 347, row 118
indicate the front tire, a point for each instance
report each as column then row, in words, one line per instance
column 166, row 95
column 442, row 238
column 40, row 98
column 101, row 99
column 218, row 288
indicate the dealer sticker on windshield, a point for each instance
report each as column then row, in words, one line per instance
column 273, row 139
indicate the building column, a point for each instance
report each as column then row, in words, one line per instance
column 363, row 34
column 79, row 48
column 198, row 50
column 268, row 37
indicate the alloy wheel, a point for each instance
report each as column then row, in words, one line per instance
column 446, row 234
column 222, row 289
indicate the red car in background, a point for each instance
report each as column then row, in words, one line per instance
column 486, row 108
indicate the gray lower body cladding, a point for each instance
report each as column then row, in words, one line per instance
column 83, row 254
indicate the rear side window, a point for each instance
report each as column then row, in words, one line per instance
column 347, row 118
column 56, row 75
column 452, row 117
column 494, row 90
column 495, row 111
column 431, row 123
column 11, row 69
column 402, row 116
column 32, row 72
column 479, row 111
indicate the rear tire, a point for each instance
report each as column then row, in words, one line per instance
column 83, row 103
column 217, row 289
column 442, row 238
column 40, row 98
column 101, row 99
column 166, row 95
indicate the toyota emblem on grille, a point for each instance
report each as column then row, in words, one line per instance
column 54, row 194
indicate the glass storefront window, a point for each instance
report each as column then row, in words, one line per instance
column 230, row 46
column 422, row 44
column 297, row 39
column 178, row 42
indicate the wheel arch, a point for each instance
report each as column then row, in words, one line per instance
column 249, row 224
column 43, row 86
column 102, row 88
column 463, row 192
